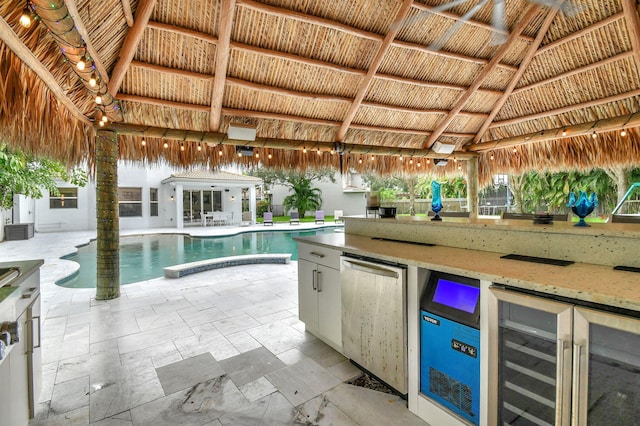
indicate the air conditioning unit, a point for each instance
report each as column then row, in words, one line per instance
column 443, row 148
column 440, row 162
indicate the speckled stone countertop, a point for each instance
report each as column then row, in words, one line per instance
column 582, row 281
column 11, row 293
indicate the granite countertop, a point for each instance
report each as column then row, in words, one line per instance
column 586, row 282
column 8, row 291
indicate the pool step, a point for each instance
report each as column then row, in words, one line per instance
column 177, row 271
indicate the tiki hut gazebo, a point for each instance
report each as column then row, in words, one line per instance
column 497, row 86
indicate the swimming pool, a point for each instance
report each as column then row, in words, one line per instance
column 143, row 257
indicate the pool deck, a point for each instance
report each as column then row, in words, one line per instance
column 216, row 347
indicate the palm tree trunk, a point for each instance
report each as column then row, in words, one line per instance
column 108, row 228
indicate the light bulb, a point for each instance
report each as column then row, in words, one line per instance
column 98, row 99
column 359, row 160
column 257, row 155
column 181, row 147
column 105, row 118
column 93, row 80
column 81, row 64
column 166, row 145
column 373, row 158
column 239, row 154
column 25, row 18
column 564, row 132
column 143, row 142
column 419, row 163
column 428, row 161
column 491, row 156
column 623, row 133
column 514, row 150
column 304, row 150
column 319, row 152
column 269, row 156
column 220, row 152
column 594, row 134
column 411, row 161
column 101, row 123
column 401, row 158
column 199, row 147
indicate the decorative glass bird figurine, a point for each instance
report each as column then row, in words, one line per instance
column 436, row 201
column 583, row 206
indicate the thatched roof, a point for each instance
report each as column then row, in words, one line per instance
column 380, row 81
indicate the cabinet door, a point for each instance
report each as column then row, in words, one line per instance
column 34, row 352
column 19, row 378
column 533, row 358
column 606, row 382
column 329, row 305
column 307, row 294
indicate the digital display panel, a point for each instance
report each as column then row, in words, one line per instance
column 456, row 295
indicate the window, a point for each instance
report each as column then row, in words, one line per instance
column 153, row 201
column 68, row 199
column 130, row 202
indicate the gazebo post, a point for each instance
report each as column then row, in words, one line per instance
column 107, row 215
column 472, row 187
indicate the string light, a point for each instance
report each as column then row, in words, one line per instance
column 220, row 152
column 491, row 158
column 143, row 143
column 269, row 156
column 100, row 123
column 332, row 151
column 304, row 150
column 26, row 19
column 428, row 161
column 93, row 80
column 411, row 161
column 319, row 152
column 257, row 155
column 594, row 134
column 373, row 158
column 98, row 99
column 359, row 160
column 81, row 64
column 182, row 146
column 166, row 145
column 515, row 150
column 419, row 163
column 199, row 146
column 239, row 154
column 623, row 133
column 564, row 132
column 105, row 118
column 401, row 158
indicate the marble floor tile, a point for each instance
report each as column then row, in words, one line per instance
column 149, row 320
column 291, row 356
column 154, row 356
column 243, row 342
column 345, row 371
column 235, row 324
column 189, row 372
column 250, row 366
column 257, row 389
column 145, row 339
column 70, row 395
column 171, row 305
column 78, row 417
column 198, row 405
column 195, row 317
column 319, row 411
column 271, row 410
column 72, row 368
column 277, row 337
column 302, row 381
column 215, row 343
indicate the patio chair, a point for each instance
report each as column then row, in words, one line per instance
column 294, row 218
column 267, row 218
column 319, row 216
column 337, row 216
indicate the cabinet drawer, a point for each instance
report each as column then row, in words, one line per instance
column 320, row 255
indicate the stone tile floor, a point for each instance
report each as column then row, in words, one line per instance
column 222, row 347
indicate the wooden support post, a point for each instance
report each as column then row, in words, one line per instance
column 472, row 187
column 107, row 215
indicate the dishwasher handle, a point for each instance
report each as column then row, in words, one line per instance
column 370, row 268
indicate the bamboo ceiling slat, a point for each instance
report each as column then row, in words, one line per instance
column 168, row 87
column 176, row 51
column 198, row 15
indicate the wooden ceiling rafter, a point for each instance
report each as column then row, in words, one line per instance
column 630, row 10
column 482, row 76
column 128, row 14
column 566, row 109
column 575, row 71
column 11, row 39
column 222, row 61
column 274, row 116
column 73, row 11
column 216, row 138
column 334, row 25
column 582, row 129
column 365, row 84
column 524, row 64
column 130, row 45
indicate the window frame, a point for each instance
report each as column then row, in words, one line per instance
column 134, row 205
column 62, row 198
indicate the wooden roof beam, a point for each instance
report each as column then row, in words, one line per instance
column 528, row 57
column 326, row 23
column 501, row 52
column 183, row 31
column 222, row 60
column 272, row 116
column 130, row 45
column 128, row 15
column 584, row 129
column 630, row 9
column 16, row 45
column 564, row 110
column 373, row 68
column 73, row 12
column 276, row 143
column 575, row 71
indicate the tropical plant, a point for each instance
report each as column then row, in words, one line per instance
column 305, row 197
column 23, row 174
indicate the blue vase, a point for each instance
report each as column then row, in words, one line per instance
column 583, row 206
column 436, row 201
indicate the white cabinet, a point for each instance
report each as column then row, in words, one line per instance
column 319, row 293
column 556, row 363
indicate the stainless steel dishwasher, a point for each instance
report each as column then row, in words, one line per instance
column 374, row 320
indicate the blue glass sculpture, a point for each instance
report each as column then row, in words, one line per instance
column 583, row 207
column 436, row 201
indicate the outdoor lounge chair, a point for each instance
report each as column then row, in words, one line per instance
column 294, row 218
column 267, row 218
column 337, row 216
column 319, row 216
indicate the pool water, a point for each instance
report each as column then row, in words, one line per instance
column 143, row 257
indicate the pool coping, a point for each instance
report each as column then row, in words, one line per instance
column 178, row 271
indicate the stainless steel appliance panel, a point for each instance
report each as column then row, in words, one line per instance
column 374, row 320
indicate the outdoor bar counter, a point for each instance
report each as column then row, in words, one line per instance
column 473, row 248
